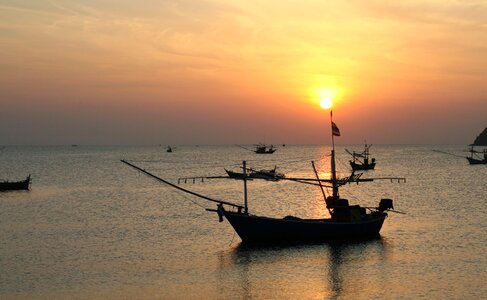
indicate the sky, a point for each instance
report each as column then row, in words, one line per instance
column 105, row 72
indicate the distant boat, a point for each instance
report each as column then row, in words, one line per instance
column 15, row 185
column 267, row 174
column 264, row 149
column 261, row 149
column 169, row 149
column 360, row 161
column 346, row 221
column 478, row 157
column 475, row 158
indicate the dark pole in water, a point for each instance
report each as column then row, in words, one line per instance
column 246, row 208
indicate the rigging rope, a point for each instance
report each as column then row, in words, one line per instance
column 232, row 238
column 183, row 195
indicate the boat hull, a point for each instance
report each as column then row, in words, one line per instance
column 474, row 161
column 270, row 151
column 16, row 185
column 256, row 229
column 262, row 174
column 361, row 167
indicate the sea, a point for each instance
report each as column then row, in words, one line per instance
column 91, row 227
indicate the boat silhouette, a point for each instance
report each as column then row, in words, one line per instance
column 345, row 222
column 475, row 157
column 261, row 149
column 15, row 185
column 360, row 160
column 268, row 174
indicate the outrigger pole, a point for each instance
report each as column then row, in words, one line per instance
column 239, row 207
column 244, row 147
column 321, row 186
column 452, row 154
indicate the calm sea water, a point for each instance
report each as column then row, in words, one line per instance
column 94, row 228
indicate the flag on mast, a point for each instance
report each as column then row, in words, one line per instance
column 334, row 129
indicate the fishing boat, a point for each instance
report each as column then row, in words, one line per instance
column 475, row 158
column 169, row 149
column 345, row 222
column 248, row 174
column 264, row 149
column 15, row 185
column 267, row 174
column 261, row 149
column 360, row 161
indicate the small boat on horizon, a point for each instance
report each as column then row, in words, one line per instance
column 267, row 174
column 475, row 158
column 360, row 160
column 478, row 157
column 264, row 149
column 15, row 185
column 169, row 149
column 261, row 149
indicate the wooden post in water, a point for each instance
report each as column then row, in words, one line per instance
column 246, row 208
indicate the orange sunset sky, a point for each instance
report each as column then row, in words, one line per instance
column 224, row 72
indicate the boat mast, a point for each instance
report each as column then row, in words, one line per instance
column 333, row 165
column 246, row 208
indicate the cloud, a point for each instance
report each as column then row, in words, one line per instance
column 170, row 55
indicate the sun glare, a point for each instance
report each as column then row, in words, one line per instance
column 325, row 96
column 325, row 103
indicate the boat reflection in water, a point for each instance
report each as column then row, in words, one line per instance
column 306, row 271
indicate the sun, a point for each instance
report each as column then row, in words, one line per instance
column 325, row 103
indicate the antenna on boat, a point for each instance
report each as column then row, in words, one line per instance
column 334, row 131
column 246, row 207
